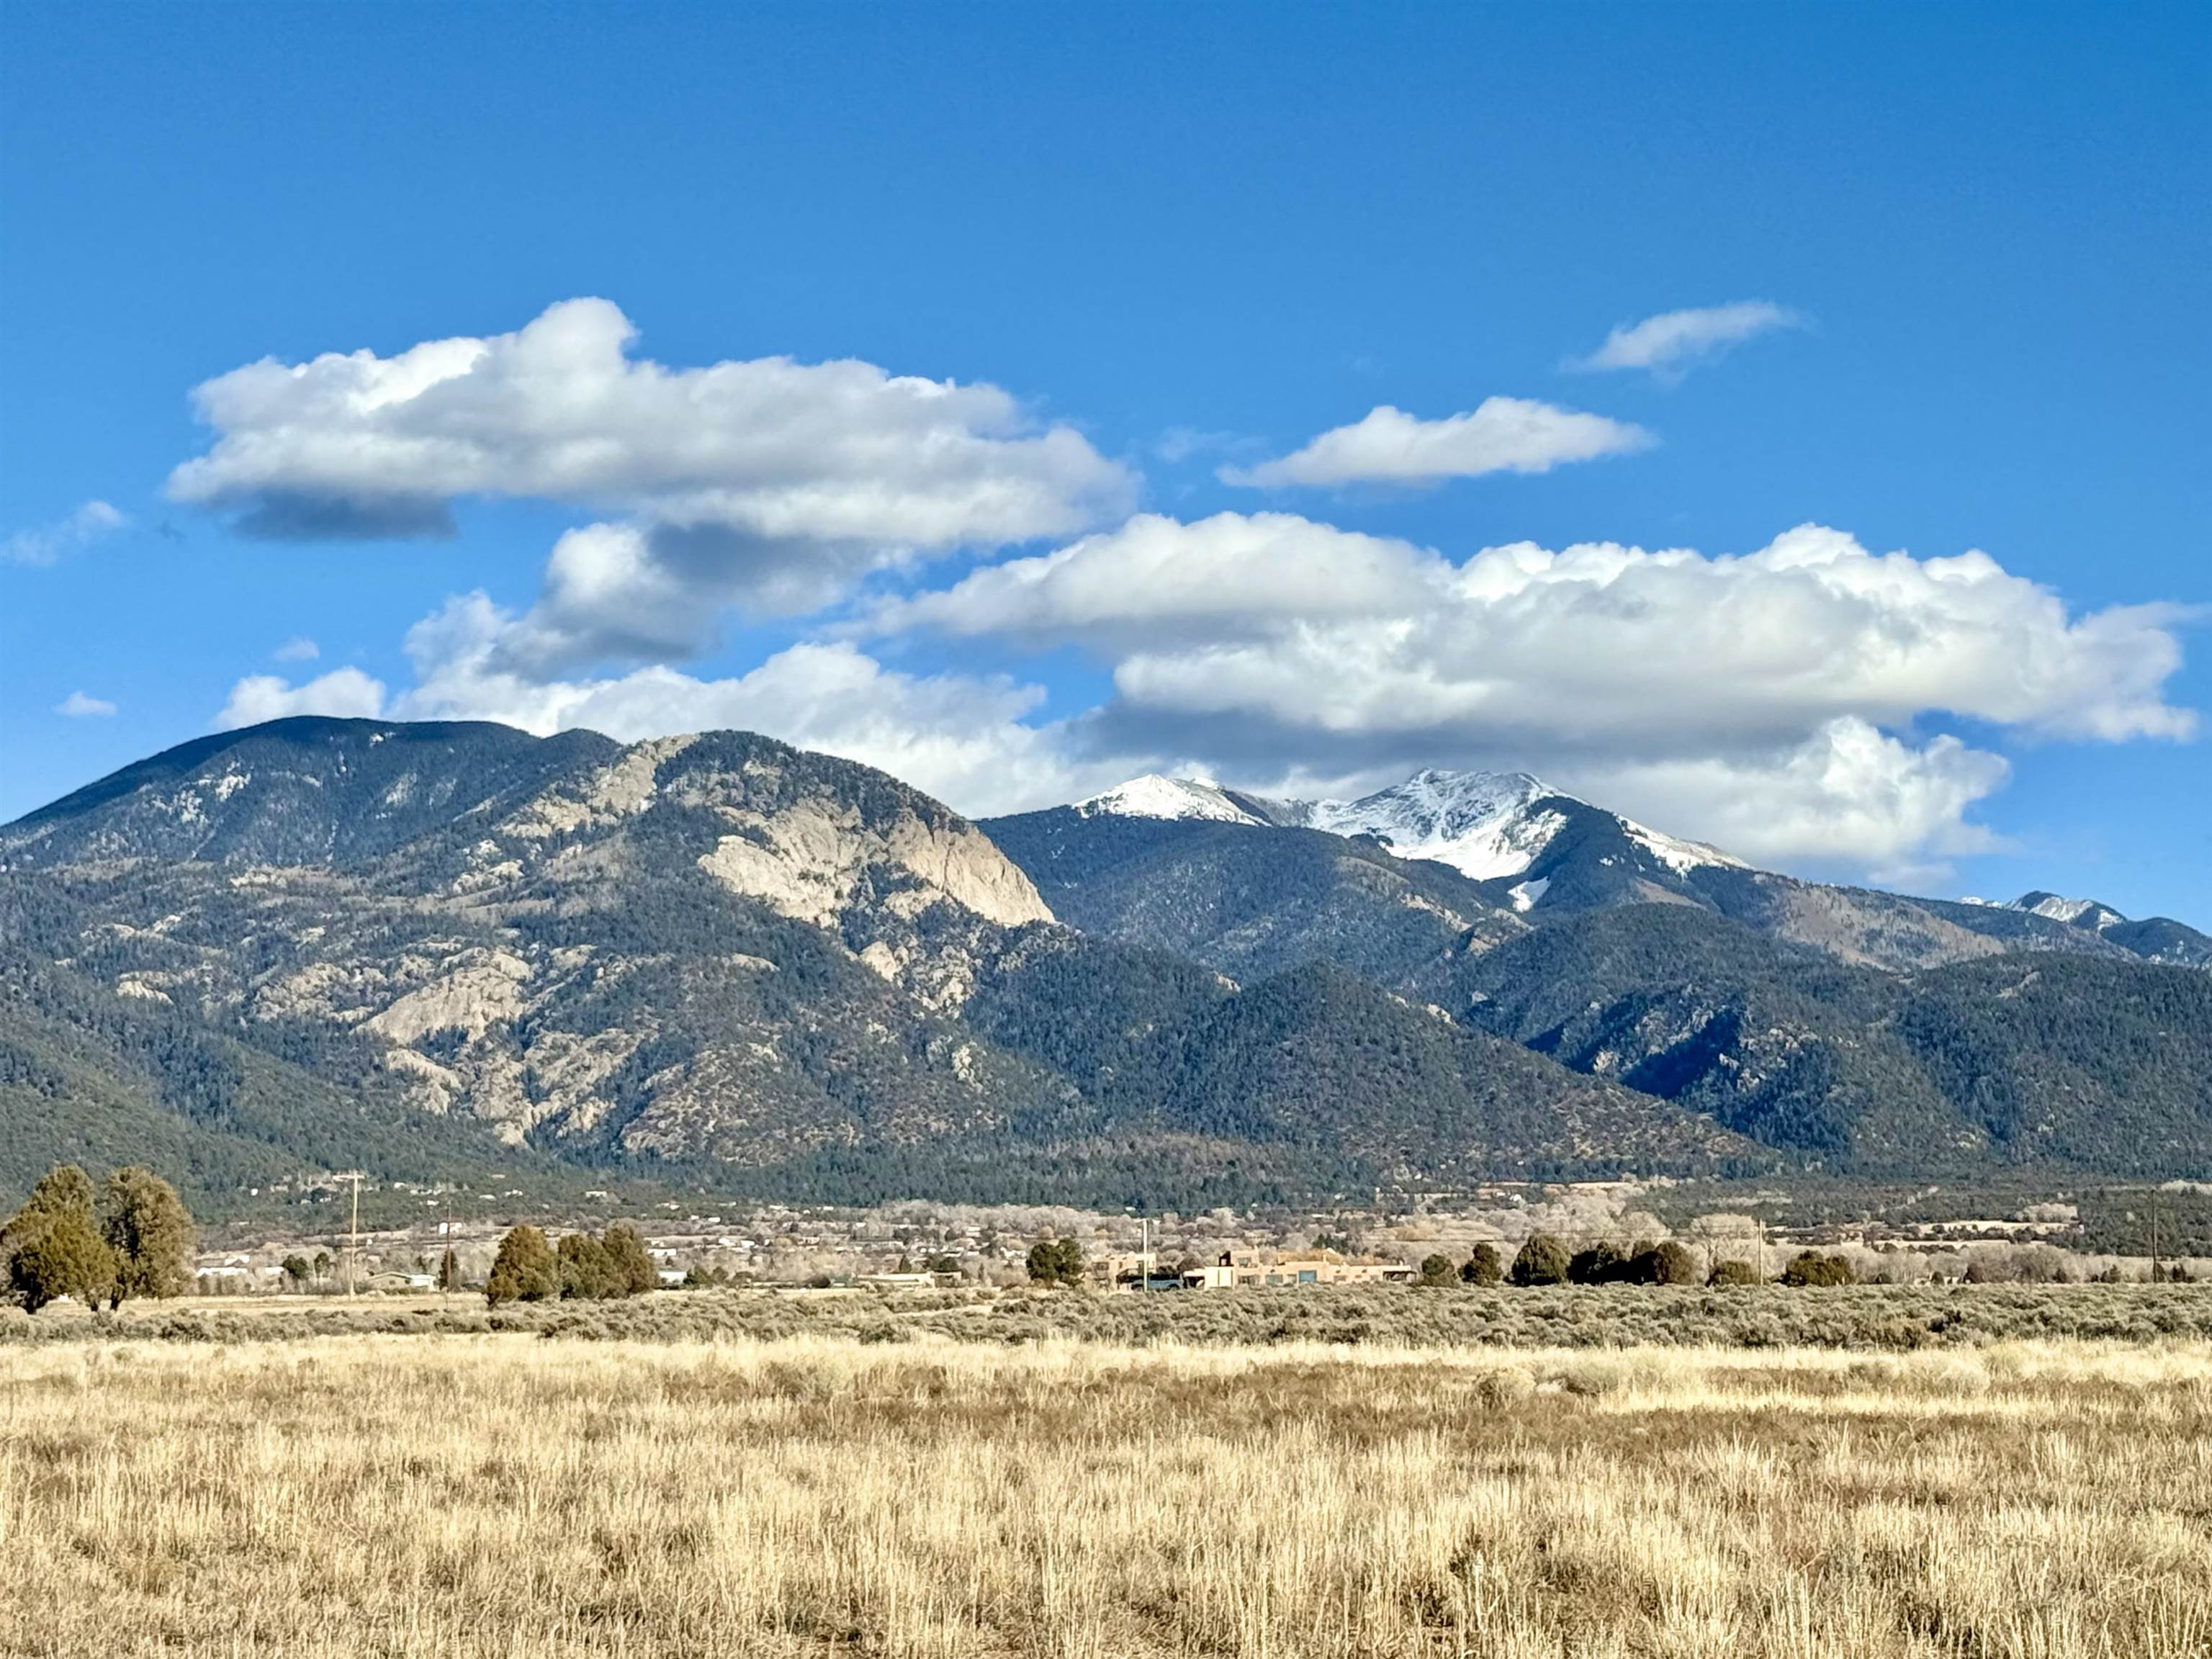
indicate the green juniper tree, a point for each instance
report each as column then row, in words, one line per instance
column 629, row 1263
column 1542, row 1260
column 526, row 1269
column 1662, row 1264
column 587, row 1275
column 1811, row 1269
column 151, row 1233
column 1599, row 1264
column 67, row 1259
column 37, row 1267
column 1056, row 1262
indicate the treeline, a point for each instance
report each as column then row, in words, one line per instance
column 1545, row 1259
column 133, row 1237
column 581, row 1267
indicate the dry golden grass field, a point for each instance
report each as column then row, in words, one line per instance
column 459, row 1496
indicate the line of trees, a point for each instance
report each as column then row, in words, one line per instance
column 1543, row 1259
column 132, row 1237
column 580, row 1267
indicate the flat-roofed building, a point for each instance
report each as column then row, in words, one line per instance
column 1243, row 1269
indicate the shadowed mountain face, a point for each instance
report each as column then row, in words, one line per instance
column 1250, row 902
column 1862, row 1030
column 2046, row 1059
column 718, row 956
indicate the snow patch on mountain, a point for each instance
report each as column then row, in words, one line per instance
column 2079, row 913
column 1156, row 796
column 2063, row 909
column 1487, row 826
column 1679, row 855
column 1479, row 822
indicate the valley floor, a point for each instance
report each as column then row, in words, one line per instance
column 462, row 1496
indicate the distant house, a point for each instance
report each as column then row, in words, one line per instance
column 390, row 1281
column 1241, row 1269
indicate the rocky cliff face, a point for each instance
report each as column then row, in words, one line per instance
column 709, row 942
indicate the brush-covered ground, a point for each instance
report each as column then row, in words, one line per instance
column 1865, row 1316
column 458, row 1496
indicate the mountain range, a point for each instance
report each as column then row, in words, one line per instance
column 1542, row 853
column 454, row 951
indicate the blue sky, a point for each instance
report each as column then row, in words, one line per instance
column 1153, row 245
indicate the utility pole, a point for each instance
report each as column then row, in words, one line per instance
column 353, row 1243
column 2155, row 1274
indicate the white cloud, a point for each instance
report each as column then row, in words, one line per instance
column 1232, row 574
column 344, row 692
column 1278, row 616
column 1767, row 702
column 77, row 707
column 45, row 544
column 766, row 481
column 960, row 737
column 1848, row 796
column 1499, row 435
column 1669, row 343
column 298, row 648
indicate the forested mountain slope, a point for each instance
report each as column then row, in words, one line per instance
column 1254, row 903
column 710, row 957
column 2049, row 1058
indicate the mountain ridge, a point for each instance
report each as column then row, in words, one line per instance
column 1534, row 847
column 719, row 959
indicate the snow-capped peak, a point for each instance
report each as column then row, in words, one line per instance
column 1479, row 822
column 1155, row 796
column 2081, row 912
column 1484, row 824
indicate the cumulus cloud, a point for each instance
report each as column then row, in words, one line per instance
column 45, row 544
column 1799, row 673
column 1233, row 575
column 78, row 706
column 767, row 482
column 1278, row 616
column 298, row 648
column 1789, row 704
column 1499, row 435
column 1669, row 343
column 344, row 692
column 1850, row 796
